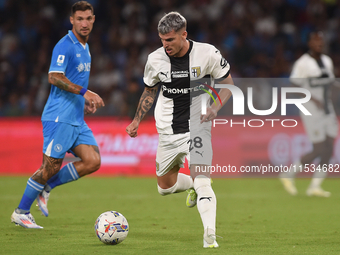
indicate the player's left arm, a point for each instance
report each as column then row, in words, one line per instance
column 220, row 69
column 224, row 94
column 336, row 83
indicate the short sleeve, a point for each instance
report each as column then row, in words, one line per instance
column 331, row 65
column 150, row 75
column 220, row 68
column 297, row 75
column 60, row 58
column 297, row 70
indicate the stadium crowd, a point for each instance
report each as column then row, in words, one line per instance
column 260, row 39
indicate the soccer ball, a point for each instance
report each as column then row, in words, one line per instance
column 111, row 227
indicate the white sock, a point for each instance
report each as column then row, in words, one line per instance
column 206, row 201
column 183, row 183
column 317, row 179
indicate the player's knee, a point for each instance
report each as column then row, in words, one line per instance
column 167, row 191
column 93, row 164
column 96, row 164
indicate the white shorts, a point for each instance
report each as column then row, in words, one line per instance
column 200, row 147
column 319, row 125
column 173, row 149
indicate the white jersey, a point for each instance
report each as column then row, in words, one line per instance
column 317, row 77
column 181, row 80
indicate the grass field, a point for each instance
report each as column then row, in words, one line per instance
column 254, row 216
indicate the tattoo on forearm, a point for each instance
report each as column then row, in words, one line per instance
column 146, row 102
column 49, row 168
column 59, row 80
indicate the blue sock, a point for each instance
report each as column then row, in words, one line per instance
column 67, row 174
column 31, row 192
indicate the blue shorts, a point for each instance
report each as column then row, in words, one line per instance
column 60, row 138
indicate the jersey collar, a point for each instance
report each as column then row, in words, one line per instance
column 186, row 54
column 73, row 37
column 190, row 47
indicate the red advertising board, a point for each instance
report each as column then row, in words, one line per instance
column 21, row 142
column 237, row 142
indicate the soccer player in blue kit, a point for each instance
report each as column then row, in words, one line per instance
column 64, row 128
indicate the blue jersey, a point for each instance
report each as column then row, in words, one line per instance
column 74, row 60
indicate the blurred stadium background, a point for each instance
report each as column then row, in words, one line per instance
column 260, row 39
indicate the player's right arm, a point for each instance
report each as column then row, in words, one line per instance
column 145, row 103
column 61, row 56
column 151, row 81
column 60, row 80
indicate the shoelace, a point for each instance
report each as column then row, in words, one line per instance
column 213, row 236
column 30, row 216
column 46, row 195
column 193, row 195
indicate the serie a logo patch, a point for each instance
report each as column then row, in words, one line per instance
column 60, row 60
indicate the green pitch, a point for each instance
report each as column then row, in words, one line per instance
column 254, row 216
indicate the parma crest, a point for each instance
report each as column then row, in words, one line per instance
column 196, row 71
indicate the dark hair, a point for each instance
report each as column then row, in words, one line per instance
column 81, row 6
column 313, row 33
column 171, row 21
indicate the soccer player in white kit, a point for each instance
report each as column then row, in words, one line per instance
column 314, row 71
column 180, row 68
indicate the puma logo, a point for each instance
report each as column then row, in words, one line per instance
column 205, row 198
column 165, row 74
column 201, row 153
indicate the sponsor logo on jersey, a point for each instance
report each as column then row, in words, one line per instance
column 84, row 67
column 180, row 74
column 182, row 90
column 60, row 60
column 78, row 55
column 80, row 67
column 196, row 71
column 223, row 62
column 208, row 92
